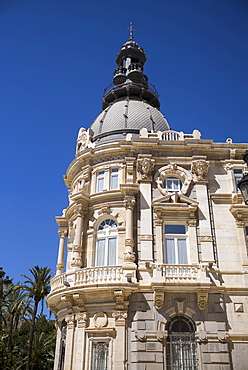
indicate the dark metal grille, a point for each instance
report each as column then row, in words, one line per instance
column 100, row 356
column 181, row 351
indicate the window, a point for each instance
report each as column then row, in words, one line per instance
column 172, row 184
column 114, row 178
column 100, row 181
column 100, row 356
column 107, row 180
column 106, row 243
column 238, row 173
column 181, row 345
column 175, row 244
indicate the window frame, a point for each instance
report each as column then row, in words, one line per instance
column 106, row 234
column 175, row 237
column 237, row 177
column 171, row 178
column 107, row 176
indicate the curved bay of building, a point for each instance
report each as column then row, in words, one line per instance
column 152, row 262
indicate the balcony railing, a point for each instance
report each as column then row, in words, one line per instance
column 134, row 82
column 87, row 277
column 176, row 273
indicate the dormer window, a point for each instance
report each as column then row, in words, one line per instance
column 172, row 184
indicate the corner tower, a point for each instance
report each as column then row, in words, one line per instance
column 140, row 267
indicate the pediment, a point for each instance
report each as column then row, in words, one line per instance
column 174, row 203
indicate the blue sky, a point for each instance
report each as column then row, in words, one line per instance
column 57, row 56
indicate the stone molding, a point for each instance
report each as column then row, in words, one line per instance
column 82, row 319
column 119, row 315
column 100, row 320
column 68, row 300
column 173, row 170
column 146, row 237
column 70, row 320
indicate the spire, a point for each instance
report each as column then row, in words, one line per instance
column 129, row 79
column 131, row 31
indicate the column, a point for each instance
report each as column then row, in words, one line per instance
column 145, row 165
column 70, row 319
column 79, row 344
column 119, row 350
column 129, row 256
column 199, row 168
column 77, row 246
column 60, row 263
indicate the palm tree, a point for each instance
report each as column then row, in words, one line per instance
column 37, row 287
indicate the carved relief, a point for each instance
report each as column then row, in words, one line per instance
column 200, row 168
column 144, row 167
column 146, row 237
column 68, row 300
column 129, row 256
column 76, row 262
column 158, row 300
column 206, row 238
column 202, row 299
column 119, row 315
column 83, row 139
column 129, row 202
column 62, row 233
column 119, row 298
column 192, row 222
column 70, row 320
column 79, row 299
column 80, row 211
column 81, row 319
column 100, row 320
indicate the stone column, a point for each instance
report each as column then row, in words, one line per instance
column 199, row 168
column 129, row 255
column 193, row 257
column 145, row 165
column 60, row 263
column 77, row 247
column 79, row 344
column 70, row 319
column 119, row 350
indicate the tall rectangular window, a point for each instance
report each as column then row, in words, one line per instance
column 100, row 181
column 238, row 173
column 114, row 178
column 175, row 245
column 100, row 356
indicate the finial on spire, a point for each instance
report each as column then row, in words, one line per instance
column 131, row 29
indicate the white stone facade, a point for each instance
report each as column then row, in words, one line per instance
column 154, row 238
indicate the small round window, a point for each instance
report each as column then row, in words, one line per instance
column 172, row 184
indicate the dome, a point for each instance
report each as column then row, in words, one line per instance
column 127, row 116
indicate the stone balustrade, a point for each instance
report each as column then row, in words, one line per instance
column 87, row 277
column 176, row 273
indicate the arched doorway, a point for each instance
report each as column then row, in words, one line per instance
column 181, row 344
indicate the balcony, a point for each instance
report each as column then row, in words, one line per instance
column 87, row 277
column 178, row 275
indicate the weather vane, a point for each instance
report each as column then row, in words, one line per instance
column 131, row 29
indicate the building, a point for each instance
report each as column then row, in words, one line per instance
column 156, row 273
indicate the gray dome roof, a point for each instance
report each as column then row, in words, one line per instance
column 127, row 116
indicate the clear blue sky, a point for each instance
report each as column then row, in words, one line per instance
column 57, row 56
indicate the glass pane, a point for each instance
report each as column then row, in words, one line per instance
column 111, row 251
column 170, row 251
column 100, row 356
column 100, row 252
column 174, row 229
column 238, row 171
column 100, row 184
column 114, row 182
column 182, row 251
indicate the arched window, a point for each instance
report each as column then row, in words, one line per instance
column 172, row 184
column 181, row 345
column 106, row 244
